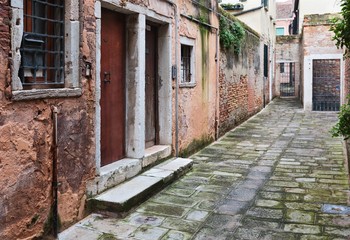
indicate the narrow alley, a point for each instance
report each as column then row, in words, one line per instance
column 280, row 175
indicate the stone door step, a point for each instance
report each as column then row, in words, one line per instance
column 126, row 195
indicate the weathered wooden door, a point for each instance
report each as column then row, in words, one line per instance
column 112, row 87
column 151, row 86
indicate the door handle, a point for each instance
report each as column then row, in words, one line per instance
column 107, row 77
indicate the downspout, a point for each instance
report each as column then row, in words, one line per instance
column 54, row 174
column 175, row 77
column 217, row 97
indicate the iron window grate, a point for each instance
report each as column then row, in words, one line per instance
column 186, row 75
column 42, row 48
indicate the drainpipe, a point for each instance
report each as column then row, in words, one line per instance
column 176, row 78
column 54, row 174
column 217, row 59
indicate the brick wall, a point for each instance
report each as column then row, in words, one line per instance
column 316, row 38
column 347, row 76
column 316, row 43
column 241, row 83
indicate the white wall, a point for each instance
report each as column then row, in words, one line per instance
column 317, row 7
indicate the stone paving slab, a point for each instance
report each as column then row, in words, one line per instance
column 126, row 195
column 280, row 175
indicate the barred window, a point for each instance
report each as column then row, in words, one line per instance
column 281, row 67
column 42, row 47
column 186, row 64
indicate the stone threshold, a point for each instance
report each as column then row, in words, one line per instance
column 128, row 194
column 118, row 172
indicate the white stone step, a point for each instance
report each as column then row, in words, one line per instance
column 122, row 170
column 128, row 194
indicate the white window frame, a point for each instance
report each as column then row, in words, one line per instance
column 191, row 43
column 72, row 86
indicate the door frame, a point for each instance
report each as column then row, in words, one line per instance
column 136, row 18
column 155, row 83
column 308, row 77
column 114, row 122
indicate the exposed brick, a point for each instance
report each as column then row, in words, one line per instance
column 241, row 84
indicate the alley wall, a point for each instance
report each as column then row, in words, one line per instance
column 241, row 82
column 317, row 44
column 347, row 77
column 197, row 103
column 226, row 88
column 26, row 142
column 288, row 51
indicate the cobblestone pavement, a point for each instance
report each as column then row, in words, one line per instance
column 280, row 175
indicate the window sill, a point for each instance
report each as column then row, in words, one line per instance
column 45, row 93
column 187, row 85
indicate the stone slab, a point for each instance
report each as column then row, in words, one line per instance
column 130, row 189
column 155, row 153
column 124, row 196
column 335, row 209
column 176, row 164
column 113, row 174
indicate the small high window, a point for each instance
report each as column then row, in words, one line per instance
column 281, row 67
column 42, row 47
column 186, row 71
column 265, row 3
column 279, row 31
column 187, row 68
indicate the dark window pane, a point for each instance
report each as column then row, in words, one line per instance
column 42, row 49
column 186, row 63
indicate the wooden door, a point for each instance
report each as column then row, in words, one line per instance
column 151, row 86
column 112, row 87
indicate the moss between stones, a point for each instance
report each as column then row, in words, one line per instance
column 205, row 66
column 287, row 38
column 106, row 236
column 196, row 145
column 48, row 228
column 319, row 19
column 33, row 221
column 203, row 12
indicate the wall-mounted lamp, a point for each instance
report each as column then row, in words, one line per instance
column 88, row 69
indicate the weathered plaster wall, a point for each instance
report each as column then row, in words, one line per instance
column 197, row 104
column 288, row 50
column 241, row 83
column 26, row 144
column 285, row 24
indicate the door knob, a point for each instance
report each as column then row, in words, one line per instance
column 107, row 77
